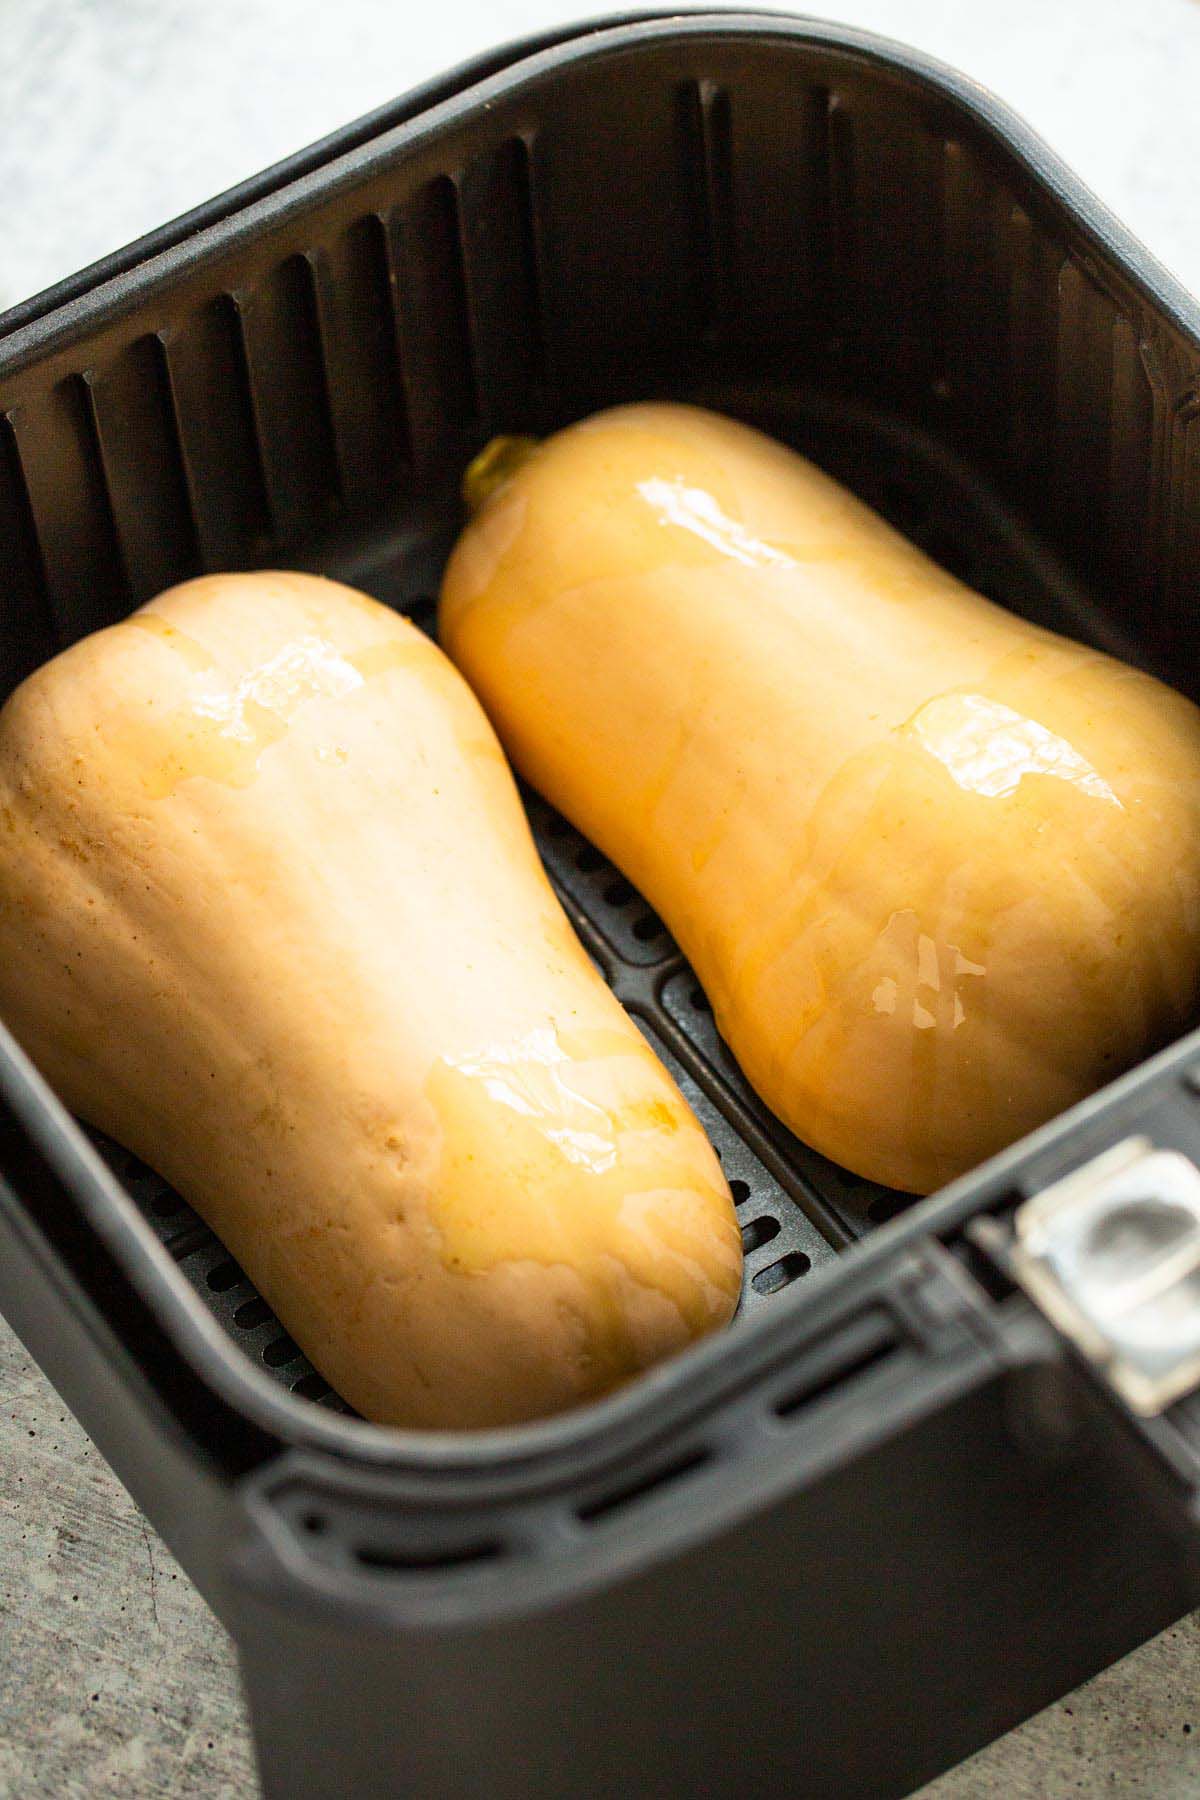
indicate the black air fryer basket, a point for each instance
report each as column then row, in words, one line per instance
column 912, row 1494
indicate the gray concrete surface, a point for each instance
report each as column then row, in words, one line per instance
column 115, row 114
column 116, row 1682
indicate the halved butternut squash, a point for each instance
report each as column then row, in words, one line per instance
column 937, row 869
column 271, row 915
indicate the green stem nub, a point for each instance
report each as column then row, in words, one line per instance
column 494, row 468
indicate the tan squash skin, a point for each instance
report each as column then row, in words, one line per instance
column 270, row 914
column 938, row 871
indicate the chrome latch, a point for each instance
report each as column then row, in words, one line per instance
column 1111, row 1253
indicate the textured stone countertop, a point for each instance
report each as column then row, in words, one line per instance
column 115, row 1681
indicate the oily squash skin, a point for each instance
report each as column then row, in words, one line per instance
column 937, row 870
column 270, row 914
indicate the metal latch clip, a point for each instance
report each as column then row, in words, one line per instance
column 1111, row 1254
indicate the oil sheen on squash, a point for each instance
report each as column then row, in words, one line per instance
column 938, row 870
column 271, row 915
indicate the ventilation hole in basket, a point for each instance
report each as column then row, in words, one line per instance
column 279, row 1351
column 886, row 1206
column 812, row 1391
column 759, row 1232
column 251, row 1313
column 740, row 1191
column 223, row 1276
column 373, row 1556
column 166, row 1205
column 699, row 1000
column 647, row 1484
column 588, row 859
column 618, row 892
column 782, row 1273
column 648, row 927
column 311, row 1386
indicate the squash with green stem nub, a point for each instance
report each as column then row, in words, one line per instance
column 271, row 916
column 938, row 870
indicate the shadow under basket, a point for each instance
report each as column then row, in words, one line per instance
column 893, row 1510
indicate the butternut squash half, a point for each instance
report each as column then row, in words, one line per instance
column 937, row 870
column 271, row 915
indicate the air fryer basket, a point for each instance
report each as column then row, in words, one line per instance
column 889, row 1494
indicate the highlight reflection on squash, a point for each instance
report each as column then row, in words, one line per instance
column 937, row 869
